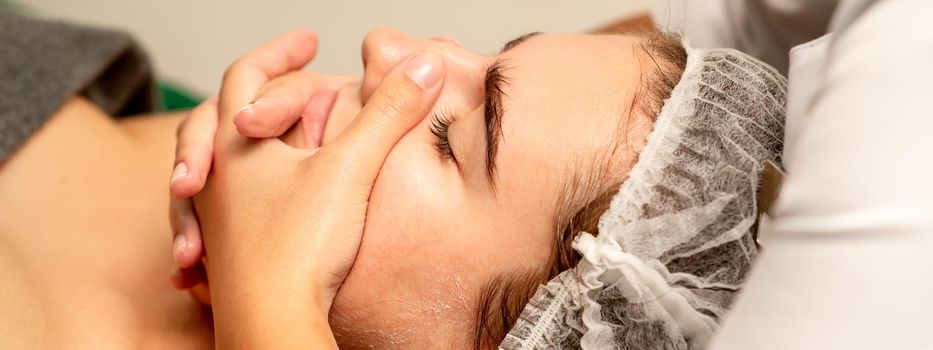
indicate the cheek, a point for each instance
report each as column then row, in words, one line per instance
column 412, row 191
column 404, row 206
column 409, row 242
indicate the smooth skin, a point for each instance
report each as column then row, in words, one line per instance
column 435, row 229
column 82, row 223
column 94, row 276
column 284, row 301
column 58, row 293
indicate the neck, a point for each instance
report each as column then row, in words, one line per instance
column 178, row 323
column 166, row 318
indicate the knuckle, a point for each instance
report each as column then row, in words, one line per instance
column 351, row 87
column 389, row 109
column 394, row 101
column 179, row 131
column 186, row 123
column 301, row 79
column 199, row 124
column 235, row 68
column 292, row 85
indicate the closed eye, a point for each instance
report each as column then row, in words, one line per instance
column 440, row 124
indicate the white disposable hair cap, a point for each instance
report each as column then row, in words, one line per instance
column 678, row 239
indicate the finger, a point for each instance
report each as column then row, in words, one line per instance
column 201, row 293
column 280, row 104
column 314, row 119
column 345, row 109
column 183, row 278
column 402, row 99
column 194, row 150
column 187, row 246
column 309, row 131
column 247, row 75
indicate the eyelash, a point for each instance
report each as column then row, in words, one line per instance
column 440, row 124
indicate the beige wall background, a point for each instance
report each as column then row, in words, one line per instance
column 192, row 41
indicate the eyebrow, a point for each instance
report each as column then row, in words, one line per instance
column 492, row 114
column 493, row 109
column 514, row 42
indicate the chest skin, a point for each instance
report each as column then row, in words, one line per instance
column 85, row 237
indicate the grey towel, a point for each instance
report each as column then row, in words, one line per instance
column 43, row 63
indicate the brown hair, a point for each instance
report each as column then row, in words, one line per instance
column 584, row 199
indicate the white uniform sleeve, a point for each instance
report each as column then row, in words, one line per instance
column 849, row 259
column 765, row 29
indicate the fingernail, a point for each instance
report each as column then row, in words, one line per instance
column 248, row 108
column 179, row 246
column 424, row 69
column 181, row 170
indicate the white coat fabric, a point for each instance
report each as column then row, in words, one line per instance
column 848, row 262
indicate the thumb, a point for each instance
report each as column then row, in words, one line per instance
column 401, row 100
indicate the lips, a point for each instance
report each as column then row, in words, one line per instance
column 316, row 114
column 343, row 109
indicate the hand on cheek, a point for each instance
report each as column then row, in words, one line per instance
column 295, row 97
column 282, row 225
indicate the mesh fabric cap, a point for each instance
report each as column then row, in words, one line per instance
column 676, row 242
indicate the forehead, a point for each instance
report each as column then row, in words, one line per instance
column 567, row 97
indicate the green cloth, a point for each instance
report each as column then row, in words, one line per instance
column 173, row 97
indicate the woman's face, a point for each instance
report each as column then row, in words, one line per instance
column 440, row 225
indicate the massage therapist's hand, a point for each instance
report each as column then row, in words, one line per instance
column 282, row 225
column 295, row 98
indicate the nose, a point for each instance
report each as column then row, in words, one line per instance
column 447, row 39
column 385, row 48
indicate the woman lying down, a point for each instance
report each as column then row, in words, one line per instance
column 572, row 191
